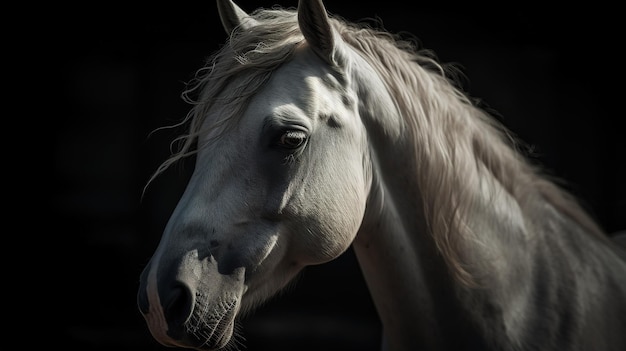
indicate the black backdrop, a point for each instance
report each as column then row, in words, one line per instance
column 118, row 75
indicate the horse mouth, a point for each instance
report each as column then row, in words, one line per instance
column 211, row 326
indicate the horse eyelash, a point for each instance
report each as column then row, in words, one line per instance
column 289, row 159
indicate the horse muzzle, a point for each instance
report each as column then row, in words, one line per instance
column 189, row 303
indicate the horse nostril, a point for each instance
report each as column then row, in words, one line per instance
column 177, row 308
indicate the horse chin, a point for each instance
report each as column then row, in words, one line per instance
column 211, row 327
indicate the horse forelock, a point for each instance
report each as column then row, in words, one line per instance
column 230, row 76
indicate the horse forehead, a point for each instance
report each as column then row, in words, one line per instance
column 302, row 83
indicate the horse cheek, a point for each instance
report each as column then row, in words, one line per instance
column 332, row 225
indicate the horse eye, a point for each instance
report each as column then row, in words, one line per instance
column 292, row 139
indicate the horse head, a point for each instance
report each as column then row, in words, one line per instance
column 280, row 185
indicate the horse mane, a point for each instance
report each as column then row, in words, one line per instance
column 460, row 149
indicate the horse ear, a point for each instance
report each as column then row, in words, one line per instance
column 233, row 16
column 316, row 28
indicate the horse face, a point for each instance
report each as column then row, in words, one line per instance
column 284, row 188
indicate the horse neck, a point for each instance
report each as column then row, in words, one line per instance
column 412, row 273
column 407, row 278
column 406, row 275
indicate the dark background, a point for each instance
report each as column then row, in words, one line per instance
column 117, row 74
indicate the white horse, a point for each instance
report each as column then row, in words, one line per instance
column 312, row 134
